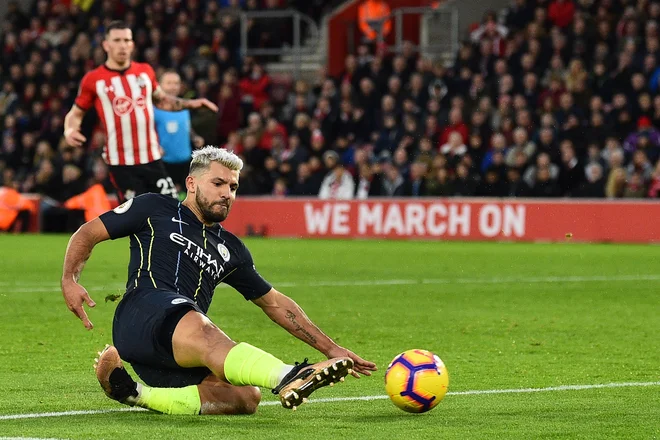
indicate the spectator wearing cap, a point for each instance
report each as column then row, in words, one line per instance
column 338, row 183
column 644, row 130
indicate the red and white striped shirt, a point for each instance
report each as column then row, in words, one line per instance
column 123, row 101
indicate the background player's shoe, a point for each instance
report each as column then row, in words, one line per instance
column 305, row 378
column 113, row 377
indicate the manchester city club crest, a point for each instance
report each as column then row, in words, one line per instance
column 224, row 252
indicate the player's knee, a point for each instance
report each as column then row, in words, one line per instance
column 216, row 346
column 249, row 400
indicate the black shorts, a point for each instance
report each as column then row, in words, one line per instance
column 178, row 172
column 142, row 331
column 134, row 180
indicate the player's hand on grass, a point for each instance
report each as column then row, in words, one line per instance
column 75, row 296
column 74, row 138
column 203, row 102
column 360, row 366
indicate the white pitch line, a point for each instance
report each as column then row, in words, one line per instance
column 391, row 282
column 66, row 413
column 359, row 398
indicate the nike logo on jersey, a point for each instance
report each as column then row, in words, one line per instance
column 179, row 221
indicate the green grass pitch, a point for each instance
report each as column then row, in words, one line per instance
column 501, row 316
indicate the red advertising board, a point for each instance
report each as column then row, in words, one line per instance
column 449, row 219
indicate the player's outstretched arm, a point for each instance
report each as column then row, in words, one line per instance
column 72, row 122
column 179, row 103
column 77, row 253
column 287, row 313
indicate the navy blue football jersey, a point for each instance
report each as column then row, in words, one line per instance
column 171, row 249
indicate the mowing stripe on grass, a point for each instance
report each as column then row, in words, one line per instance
column 359, row 398
column 29, row 438
column 49, row 287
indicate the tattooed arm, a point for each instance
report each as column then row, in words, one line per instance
column 175, row 103
column 286, row 313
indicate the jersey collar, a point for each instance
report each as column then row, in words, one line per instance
column 120, row 71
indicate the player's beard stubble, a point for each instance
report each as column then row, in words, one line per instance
column 209, row 209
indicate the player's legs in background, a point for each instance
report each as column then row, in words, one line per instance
column 155, row 179
column 178, row 172
column 124, row 179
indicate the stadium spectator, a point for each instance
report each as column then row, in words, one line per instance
column 616, row 183
column 492, row 32
column 338, row 183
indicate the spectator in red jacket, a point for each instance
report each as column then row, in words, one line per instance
column 456, row 124
column 229, row 104
column 254, row 88
column 561, row 12
column 273, row 129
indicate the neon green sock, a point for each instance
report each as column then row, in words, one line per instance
column 182, row 401
column 248, row 365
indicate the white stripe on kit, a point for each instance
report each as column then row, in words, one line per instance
column 155, row 146
column 125, row 119
column 112, row 155
column 141, row 120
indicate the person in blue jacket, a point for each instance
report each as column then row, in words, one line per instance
column 175, row 132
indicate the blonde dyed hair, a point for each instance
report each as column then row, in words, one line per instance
column 202, row 158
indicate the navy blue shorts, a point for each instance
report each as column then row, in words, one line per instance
column 142, row 331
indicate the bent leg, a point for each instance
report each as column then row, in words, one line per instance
column 197, row 342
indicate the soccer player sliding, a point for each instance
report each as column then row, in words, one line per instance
column 179, row 253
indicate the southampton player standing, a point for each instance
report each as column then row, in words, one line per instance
column 179, row 255
column 123, row 93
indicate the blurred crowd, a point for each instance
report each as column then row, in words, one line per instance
column 547, row 98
